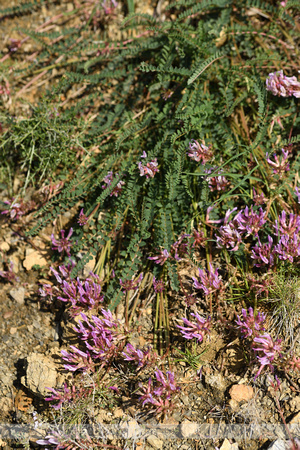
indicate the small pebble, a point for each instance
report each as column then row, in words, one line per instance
column 241, row 392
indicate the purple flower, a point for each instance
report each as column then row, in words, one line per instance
column 132, row 354
column 283, row 86
column 80, row 295
column 65, row 272
column 180, row 247
column 108, row 179
column 109, row 6
column 229, row 237
column 102, row 337
column 268, row 350
column 251, row 221
column 62, row 244
column 158, row 285
column 10, row 274
column 258, row 199
column 282, row 227
column 263, row 253
column 288, row 247
column 131, row 285
column 48, row 291
column 279, row 166
column 250, row 325
column 82, row 219
column 210, row 280
column 199, row 152
column 197, row 329
column 80, row 360
column 161, row 396
column 199, row 238
column 217, row 183
column 141, row 357
column 62, row 395
column 297, row 193
column 166, row 384
column 150, row 169
column 18, row 209
column 161, row 258
column 207, row 218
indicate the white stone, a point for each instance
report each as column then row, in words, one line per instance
column 18, row 294
column 154, row 442
column 216, row 381
column 188, row 428
column 131, row 429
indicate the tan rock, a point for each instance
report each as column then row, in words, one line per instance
column 6, row 405
column 295, row 403
column 40, row 373
column 234, row 405
column 16, row 263
column 89, row 267
column 188, row 428
column 241, row 392
column 4, row 246
column 296, row 419
column 228, row 446
column 118, row 413
column 35, row 257
column 216, row 380
column 18, row 294
column 154, row 442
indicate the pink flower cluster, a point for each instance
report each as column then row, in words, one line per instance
column 103, row 338
column 141, row 357
column 209, row 280
column 250, row 325
column 160, row 396
column 245, row 222
column 218, row 182
column 82, row 219
column 131, row 285
column 288, row 246
column 279, row 166
column 108, row 179
column 199, row 152
column 150, row 168
column 64, row 244
column 18, row 209
column 197, row 330
column 180, row 248
column 283, row 86
column 79, row 295
column 10, row 274
column 266, row 349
